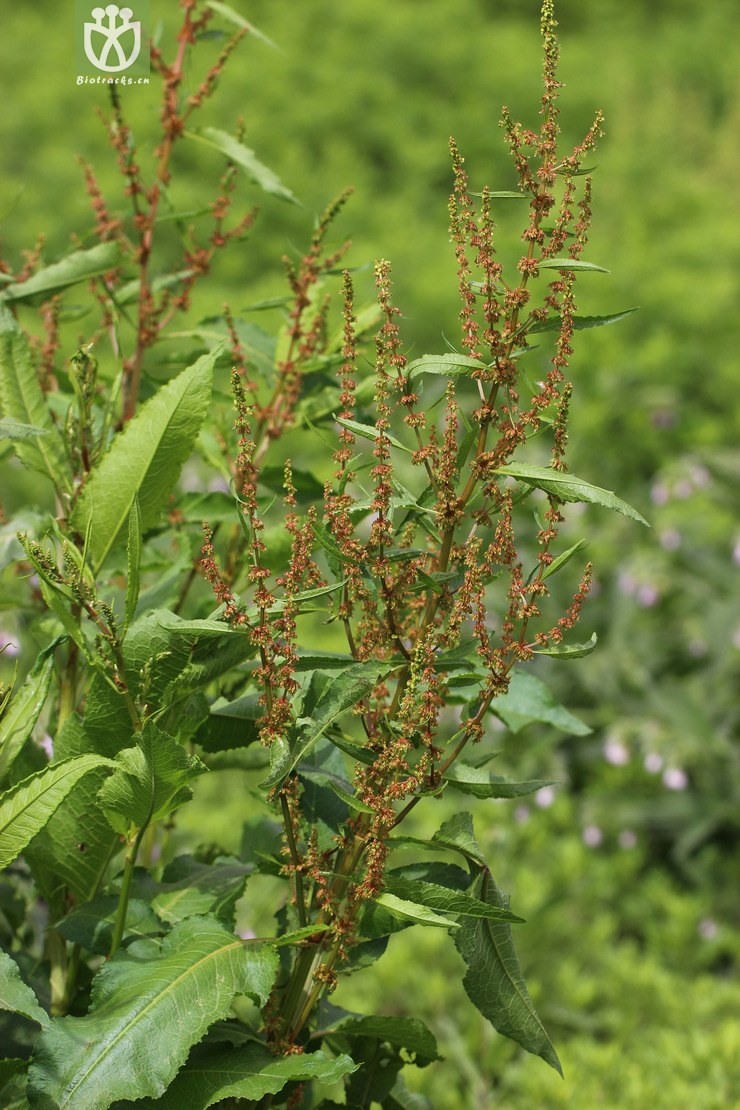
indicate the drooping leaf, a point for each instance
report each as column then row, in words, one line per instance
column 442, row 899
column 581, row 322
column 528, row 699
column 15, row 995
column 214, row 1073
column 243, row 156
column 23, row 711
column 570, row 264
column 150, row 780
column 566, row 487
column 133, row 560
column 148, row 1009
column 144, row 460
column 27, row 806
column 569, row 651
column 494, row 981
column 345, row 692
column 448, row 366
column 401, row 1098
column 482, row 784
column 79, row 266
column 23, row 401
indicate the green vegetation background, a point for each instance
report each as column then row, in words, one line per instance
column 629, row 877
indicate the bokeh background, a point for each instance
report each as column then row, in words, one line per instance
column 628, row 869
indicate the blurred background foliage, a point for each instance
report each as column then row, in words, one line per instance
column 627, row 870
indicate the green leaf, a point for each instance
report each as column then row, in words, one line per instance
column 147, row 1011
column 448, row 366
column 242, row 156
column 15, row 995
column 215, row 1073
column 482, row 784
column 580, row 323
column 444, row 900
column 566, row 487
column 569, row 651
column 150, row 780
column 76, row 267
column 345, row 691
column 26, row 807
column 369, row 431
column 239, row 21
column 144, row 459
column 528, row 700
column 561, row 560
column 189, row 888
column 133, row 560
column 400, row 1098
column 229, row 725
column 23, row 711
column 23, row 402
column 458, row 834
column 91, row 924
column 494, row 981
column 402, row 1032
column 405, row 910
column 570, row 264
column 13, row 429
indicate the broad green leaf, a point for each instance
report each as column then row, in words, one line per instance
column 323, row 661
column 23, row 711
column 76, row 267
column 561, row 560
column 580, row 323
column 189, row 888
column 569, row 651
column 92, row 924
column 231, row 724
column 345, row 692
column 144, row 460
column 401, row 1098
column 26, row 807
column 444, row 900
column 459, row 835
column 402, row 1032
column 411, row 911
column 22, row 401
column 494, row 981
column 242, row 156
column 369, row 431
column 239, row 21
column 72, row 853
column 15, row 995
column 448, row 366
column 570, row 264
column 527, row 700
column 148, row 1010
column 13, row 429
column 482, row 784
column 133, row 561
column 150, row 780
column 566, row 487
column 214, row 1073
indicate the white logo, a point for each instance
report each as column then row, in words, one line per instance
column 104, row 39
